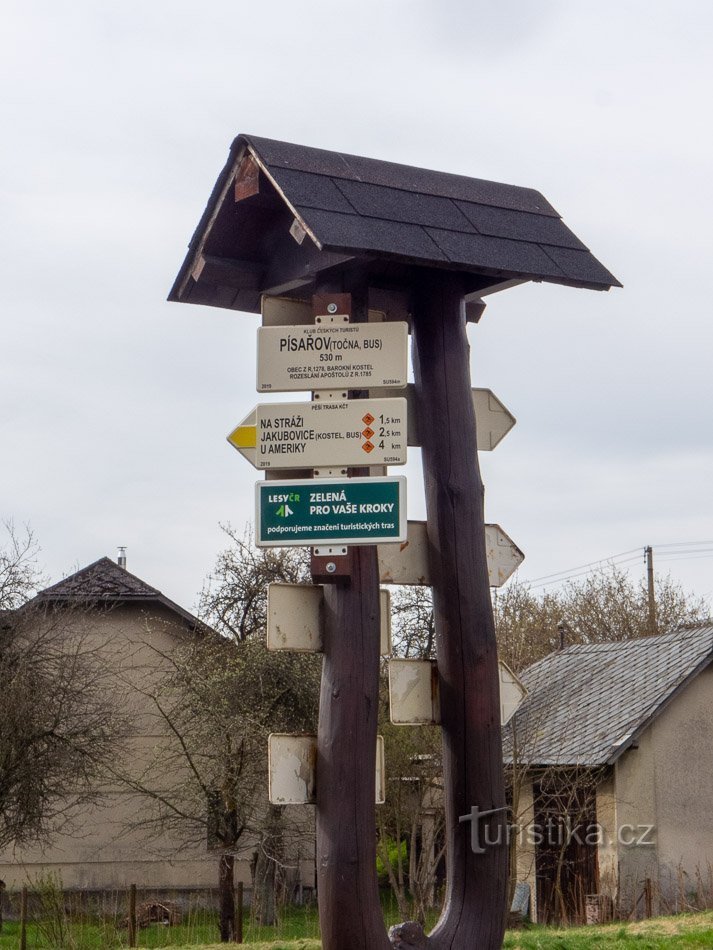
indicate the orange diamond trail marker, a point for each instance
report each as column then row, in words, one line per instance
column 368, row 446
column 367, row 419
column 367, row 433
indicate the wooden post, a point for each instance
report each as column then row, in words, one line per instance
column 132, row 915
column 226, row 897
column 23, row 918
column 475, row 902
column 238, row 926
column 2, row 901
column 648, row 898
column 349, row 908
column 649, row 553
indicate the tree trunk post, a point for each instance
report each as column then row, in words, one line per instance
column 226, row 896
column 132, row 915
column 238, row 925
column 23, row 918
column 349, row 908
column 474, row 910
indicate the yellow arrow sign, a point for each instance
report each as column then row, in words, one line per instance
column 243, row 437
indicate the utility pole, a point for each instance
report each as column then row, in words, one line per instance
column 649, row 555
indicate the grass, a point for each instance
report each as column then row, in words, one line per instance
column 298, row 930
column 684, row 930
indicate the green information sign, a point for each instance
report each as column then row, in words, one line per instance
column 331, row 511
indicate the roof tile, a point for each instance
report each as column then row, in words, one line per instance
column 311, row 191
column 410, row 207
column 519, row 225
column 386, row 237
column 488, row 253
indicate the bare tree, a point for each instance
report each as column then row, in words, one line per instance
column 58, row 730
column 221, row 696
column 607, row 605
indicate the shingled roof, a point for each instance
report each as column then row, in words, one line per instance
column 353, row 207
column 105, row 582
column 587, row 704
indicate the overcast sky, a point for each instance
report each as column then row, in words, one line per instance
column 117, row 117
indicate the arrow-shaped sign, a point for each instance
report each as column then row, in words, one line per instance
column 492, row 420
column 312, row 434
column 407, row 563
column 414, row 692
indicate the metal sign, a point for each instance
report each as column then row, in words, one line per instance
column 492, row 420
column 318, row 434
column 294, row 618
column 512, row 693
column 414, row 693
column 350, row 355
column 292, row 769
column 291, row 773
column 330, row 511
column 407, row 563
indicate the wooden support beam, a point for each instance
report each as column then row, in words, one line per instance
column 349, row 907
column 476, row 888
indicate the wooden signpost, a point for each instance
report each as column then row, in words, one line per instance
column 350, row 254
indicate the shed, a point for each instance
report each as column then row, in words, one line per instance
column 616, row 738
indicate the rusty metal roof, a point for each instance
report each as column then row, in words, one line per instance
column 349, row 207
column 587, row 704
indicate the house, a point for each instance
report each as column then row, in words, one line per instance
column 613, row 777
column 126, row 627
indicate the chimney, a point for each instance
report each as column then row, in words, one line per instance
column 561, row 627
column 121, row 560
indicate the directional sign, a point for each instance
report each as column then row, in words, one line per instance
column 294, row 618
column 414, row 693
column 332, row 356
column 292, row 769
column 407, row 563
column 492, row 420
column 512, row 693
column 330, row 511
column 318, row 434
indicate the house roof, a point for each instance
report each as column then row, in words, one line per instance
column 363, row 207
column 587, row 704
column 105, row 582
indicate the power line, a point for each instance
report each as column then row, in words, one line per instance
column 690, row 550
column 592, row 564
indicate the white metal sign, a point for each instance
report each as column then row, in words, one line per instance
column 294, row 618
column 492, row 420
column 414, row 695
column 292, row 772
column 407, row 562
column 295, row 435
column 512, row 693
column 351, row 355
column 292, row 769
column 413, row 692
